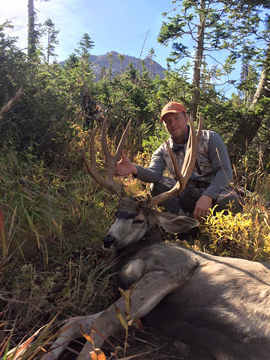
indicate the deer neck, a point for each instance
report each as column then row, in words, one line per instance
column 123, row 256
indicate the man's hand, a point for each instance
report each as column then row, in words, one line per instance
column 125, row 167
column 202, row 207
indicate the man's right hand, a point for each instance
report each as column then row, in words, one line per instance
column 202, row 207
column 125, row 167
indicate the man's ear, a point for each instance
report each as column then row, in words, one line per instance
column 174, row 223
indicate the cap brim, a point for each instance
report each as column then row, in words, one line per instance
column 168, row 112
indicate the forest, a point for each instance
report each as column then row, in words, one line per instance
column 53, row 215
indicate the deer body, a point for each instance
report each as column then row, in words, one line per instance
column 221, row 305
column 218, row 305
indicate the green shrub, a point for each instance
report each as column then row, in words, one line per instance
column 244, row 235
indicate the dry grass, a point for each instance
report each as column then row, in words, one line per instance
column 51, row 259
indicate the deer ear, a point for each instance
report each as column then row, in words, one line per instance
column 175, row 224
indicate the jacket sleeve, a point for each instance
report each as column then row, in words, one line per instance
column 154, row 172
column 221, row 163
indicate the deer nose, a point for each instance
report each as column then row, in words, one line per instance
column 108, row 241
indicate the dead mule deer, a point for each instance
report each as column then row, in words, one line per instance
column 219, row 305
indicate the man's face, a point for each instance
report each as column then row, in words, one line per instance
column 176, row 125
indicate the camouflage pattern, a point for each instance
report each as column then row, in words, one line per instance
column 205, row 175
column 193, row 194
column 201, row 180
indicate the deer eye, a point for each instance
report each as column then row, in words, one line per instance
column 138, row 221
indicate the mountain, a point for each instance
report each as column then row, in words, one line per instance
column 100, row 61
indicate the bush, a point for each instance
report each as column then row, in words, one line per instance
column 244, row 235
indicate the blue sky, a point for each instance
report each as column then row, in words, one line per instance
column 119, row 25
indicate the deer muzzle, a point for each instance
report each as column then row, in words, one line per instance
column 108, row 241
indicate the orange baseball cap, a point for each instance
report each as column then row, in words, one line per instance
column 172, row 107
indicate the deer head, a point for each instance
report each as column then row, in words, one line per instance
column 135, row 219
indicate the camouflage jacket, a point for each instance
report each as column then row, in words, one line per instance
column 212, row 169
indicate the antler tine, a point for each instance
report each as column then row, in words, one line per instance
column 187, row 168
column 92, row 168
column 112, row 159
column 8, row 105
column 191, row 151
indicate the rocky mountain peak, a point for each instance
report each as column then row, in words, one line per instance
column 118, row 65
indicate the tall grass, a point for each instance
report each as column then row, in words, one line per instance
column 50, row 258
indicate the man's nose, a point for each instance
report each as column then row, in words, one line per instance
column 173, row 122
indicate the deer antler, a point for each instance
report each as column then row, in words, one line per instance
column 188, row 165
column 8, row 105
column 111, row 159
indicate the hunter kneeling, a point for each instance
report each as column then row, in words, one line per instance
column 209, row 184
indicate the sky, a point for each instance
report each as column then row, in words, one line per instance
column 118, row 25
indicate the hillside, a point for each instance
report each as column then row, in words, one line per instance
column 99, row 61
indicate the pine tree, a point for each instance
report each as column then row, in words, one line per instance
column 33, row 33
column 121, row 58
column 211, row 26
column 51, row 39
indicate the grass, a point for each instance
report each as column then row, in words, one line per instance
column 51, row 259
column 51, row 226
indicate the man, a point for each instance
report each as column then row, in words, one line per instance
column 209, row 183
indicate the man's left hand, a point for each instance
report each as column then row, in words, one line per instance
column 202, row 207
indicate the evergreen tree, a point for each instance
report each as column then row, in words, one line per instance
column 72, row 61
column 33, row 31
column 110, row 71
column 86, row 44
column 211, row 25
column 121, row 58
column 151, row 55
column 51, row 39
column 258, row 108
